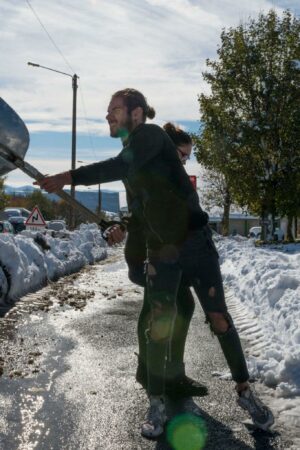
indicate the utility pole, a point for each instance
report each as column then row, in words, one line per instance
column 99, row 200
column 74, row 116
column 73, row 165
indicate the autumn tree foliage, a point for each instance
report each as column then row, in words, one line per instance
column 251, row 119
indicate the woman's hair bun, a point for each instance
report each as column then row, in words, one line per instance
column 169, row 127
column 172, row 131
column 177, row 135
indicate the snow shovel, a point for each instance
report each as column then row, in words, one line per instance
column 13, row 135
column 14, row 142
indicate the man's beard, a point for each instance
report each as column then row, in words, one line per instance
column 123, row 130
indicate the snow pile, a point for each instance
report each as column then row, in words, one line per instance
column 29, row 259
column 267, row 283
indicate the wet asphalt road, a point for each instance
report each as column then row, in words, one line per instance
column 68, row 373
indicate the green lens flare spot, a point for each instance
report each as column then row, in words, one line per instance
column 187, row 432
column 123, row 133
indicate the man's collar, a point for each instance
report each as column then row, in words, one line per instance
column 137, row 128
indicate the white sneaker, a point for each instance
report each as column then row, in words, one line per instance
column 260, row 414
column 156, row 418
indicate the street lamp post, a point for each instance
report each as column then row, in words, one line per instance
column 99, row 200
column 74, row 109
column 74, row 86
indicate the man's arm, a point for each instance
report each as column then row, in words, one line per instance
column 112, row 169
column 144, row 145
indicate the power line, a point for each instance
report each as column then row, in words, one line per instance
column 86, row 121
column 49, row 36
column 70, row 67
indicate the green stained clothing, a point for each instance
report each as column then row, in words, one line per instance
column 160, row 195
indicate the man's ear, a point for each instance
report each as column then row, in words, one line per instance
column 137, row 113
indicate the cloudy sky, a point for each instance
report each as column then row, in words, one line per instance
column 157, row 46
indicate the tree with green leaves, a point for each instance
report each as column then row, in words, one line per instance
column 251, row 119
column 216, row 193
column 46, row 206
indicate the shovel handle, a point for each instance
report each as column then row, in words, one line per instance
column 32, row 172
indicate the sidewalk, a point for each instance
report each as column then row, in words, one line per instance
column 69, row 371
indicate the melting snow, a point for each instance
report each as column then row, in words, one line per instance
column 264, row 298
column 25, row 265
column 266, row 281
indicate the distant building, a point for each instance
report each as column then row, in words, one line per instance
column 124, row 210
column 295, row 226
column 110, row 201
column 238, row 223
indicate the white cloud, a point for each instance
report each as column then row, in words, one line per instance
column 156, row 46
column 94, row 127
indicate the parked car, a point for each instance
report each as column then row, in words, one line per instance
column 18, row 222
column 255, row 232
column 6, row 227
column 56, row 225
column 14, row 212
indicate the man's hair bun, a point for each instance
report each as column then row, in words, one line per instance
column 150, row 112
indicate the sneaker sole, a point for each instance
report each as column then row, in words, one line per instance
column 152, row 436
column 265, row 426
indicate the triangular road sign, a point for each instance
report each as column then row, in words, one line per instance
column 35, row 219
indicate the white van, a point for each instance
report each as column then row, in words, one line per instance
column 255, row 232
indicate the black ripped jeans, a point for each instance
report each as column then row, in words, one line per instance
column 195, row 262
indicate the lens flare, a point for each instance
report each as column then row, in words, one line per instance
column 122, row 133
column 187, row 432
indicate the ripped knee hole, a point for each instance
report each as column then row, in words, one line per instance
column 219, row 322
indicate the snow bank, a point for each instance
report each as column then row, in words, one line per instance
column 29, row 259
column 267, row 283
